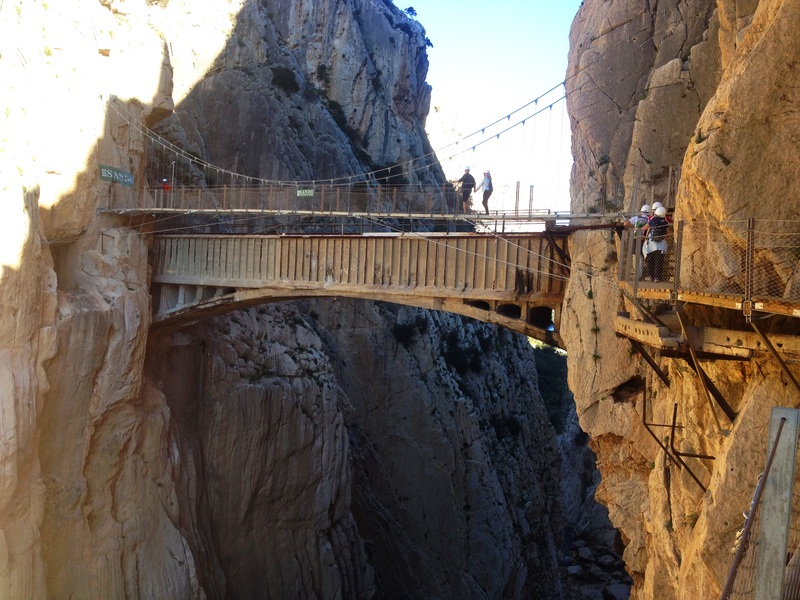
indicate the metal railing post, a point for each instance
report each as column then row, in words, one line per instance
column 776, row 505
column 676, row 276
column 530, row 201
column 747, row 302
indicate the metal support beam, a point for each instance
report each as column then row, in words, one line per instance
column 649, row 359
column 647, row 426
column 705, row 381
column 679, row 455
column 777, row 357
column 649, row 316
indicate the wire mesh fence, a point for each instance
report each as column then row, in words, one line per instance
column 757, row 261
column 766, row 556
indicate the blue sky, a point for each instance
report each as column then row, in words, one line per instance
column 487, row 60
column 511, row 50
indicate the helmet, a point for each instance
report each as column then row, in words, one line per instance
column 466, row 168
column 661, row 211
column 486, row 172
column 646, row 208
column 657, row 205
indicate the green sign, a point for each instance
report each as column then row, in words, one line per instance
column 116, row 175
column 305, row 193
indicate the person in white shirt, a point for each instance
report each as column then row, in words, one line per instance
column 486, row 184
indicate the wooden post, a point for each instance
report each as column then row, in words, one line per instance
column 775, row 509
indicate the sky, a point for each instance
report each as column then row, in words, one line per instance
column 489, row 59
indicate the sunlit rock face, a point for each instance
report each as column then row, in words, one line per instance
column 703, row 89
column 292, row 451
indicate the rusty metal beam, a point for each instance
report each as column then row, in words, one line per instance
column 649, row 316
column 650, row 361
column 706, row 382
column 679, row 455
column 777, row 357
column 647, row 426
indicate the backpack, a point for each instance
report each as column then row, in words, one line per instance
column 658, row 229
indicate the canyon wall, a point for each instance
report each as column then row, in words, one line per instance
column 328, row 449
column 706, row 91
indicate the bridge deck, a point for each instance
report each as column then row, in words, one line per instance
column 515, row 280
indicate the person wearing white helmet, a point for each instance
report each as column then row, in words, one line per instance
column 640, row 220
column 467, row 182
column 655, row 246
column 486, row 184
column 656, row 206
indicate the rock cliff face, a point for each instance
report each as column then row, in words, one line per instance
column 330, row 449
column 708, row 90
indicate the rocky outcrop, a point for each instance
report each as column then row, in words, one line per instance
column 707, row 89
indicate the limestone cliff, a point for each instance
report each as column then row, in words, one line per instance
column 708, row 90
column 329, row 450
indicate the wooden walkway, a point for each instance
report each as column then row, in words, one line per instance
column 513, row 280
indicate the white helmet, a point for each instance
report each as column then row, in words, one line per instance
column 466, row 168
column 645, row 208
column 661, row 211
column 657, row 205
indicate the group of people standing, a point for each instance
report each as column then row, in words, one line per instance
column 651, row 225
column 467, row 182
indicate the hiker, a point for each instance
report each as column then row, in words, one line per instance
column 467, row 182
column 640, row 220
column 486, row 184
column 655, row 245
column 656, row 206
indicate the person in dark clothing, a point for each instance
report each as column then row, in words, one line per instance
column 467, row 182
column 655, row 245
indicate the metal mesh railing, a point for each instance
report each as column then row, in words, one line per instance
column 722, row 247
column 632, row 261
column 756, row 261
column 323, row 199
column 759, row 542
column 775, row 261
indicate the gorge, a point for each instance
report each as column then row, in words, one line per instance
column 334, row 448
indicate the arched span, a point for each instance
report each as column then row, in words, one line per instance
column 515, row 281
column 200, row 302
